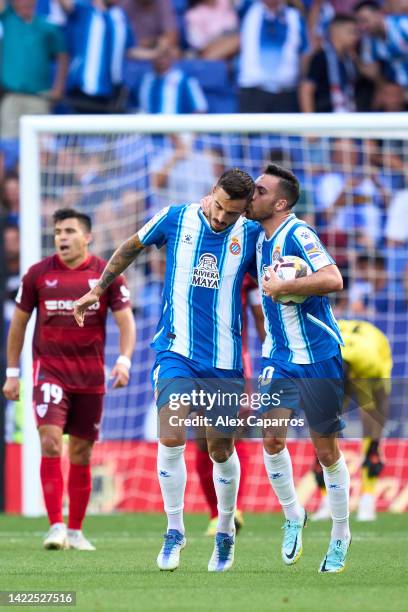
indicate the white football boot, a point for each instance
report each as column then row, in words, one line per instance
column 56, row 538
column 169, row 555
column 222, row 557
column 77, row 540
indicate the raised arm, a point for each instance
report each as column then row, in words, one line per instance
column 15, row 342
column 120, row 260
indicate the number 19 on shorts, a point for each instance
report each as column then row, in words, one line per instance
column 51, row 393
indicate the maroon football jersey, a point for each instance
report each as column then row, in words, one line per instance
column 63, row 352
column 248, row 286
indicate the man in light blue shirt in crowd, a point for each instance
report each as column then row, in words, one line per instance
column 168, row 89
column 99, row 40
column 385, row 42
column 273, row 44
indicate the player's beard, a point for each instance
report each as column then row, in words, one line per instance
column 258, row 215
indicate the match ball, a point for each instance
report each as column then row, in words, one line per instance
column 289, row 267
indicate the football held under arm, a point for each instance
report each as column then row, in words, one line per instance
column 324, row 281
column 326, row 276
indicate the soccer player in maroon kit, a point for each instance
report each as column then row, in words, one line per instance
column 69, row 380
column 251, row 299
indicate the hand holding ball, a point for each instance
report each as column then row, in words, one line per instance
column 289, row 267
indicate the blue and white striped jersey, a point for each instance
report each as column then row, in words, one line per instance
column 98, row 41
column 301, row 333
column 52, row 11
column 201, row 316
column 271, row 46
column 391, row 50
column 173, row 93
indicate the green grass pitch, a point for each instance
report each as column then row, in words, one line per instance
column 122, row 573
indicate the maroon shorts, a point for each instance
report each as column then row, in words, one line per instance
column 78, row 414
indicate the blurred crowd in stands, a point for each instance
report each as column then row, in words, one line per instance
column 355, row 191
column 188, row 56
column 195, row 56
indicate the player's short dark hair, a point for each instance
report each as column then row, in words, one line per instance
column 370, row 4
column 237, row 184
column 288, row 183
column 341, row 19
column 70, row 213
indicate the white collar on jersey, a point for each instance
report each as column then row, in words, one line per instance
column 291, row 217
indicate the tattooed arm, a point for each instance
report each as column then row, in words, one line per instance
column 120, row 260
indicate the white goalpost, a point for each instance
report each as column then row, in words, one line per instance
column 121, row 169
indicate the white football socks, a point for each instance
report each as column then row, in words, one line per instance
column 337, row 481
column 172, row 473
column 226, row 478
column 280, row 473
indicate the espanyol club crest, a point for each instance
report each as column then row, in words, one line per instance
column 235, row 247
column 92, row 282
column 276, row 254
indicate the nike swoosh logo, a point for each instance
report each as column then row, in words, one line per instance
column 292, row 554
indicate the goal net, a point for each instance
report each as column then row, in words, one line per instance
column 122, row 170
